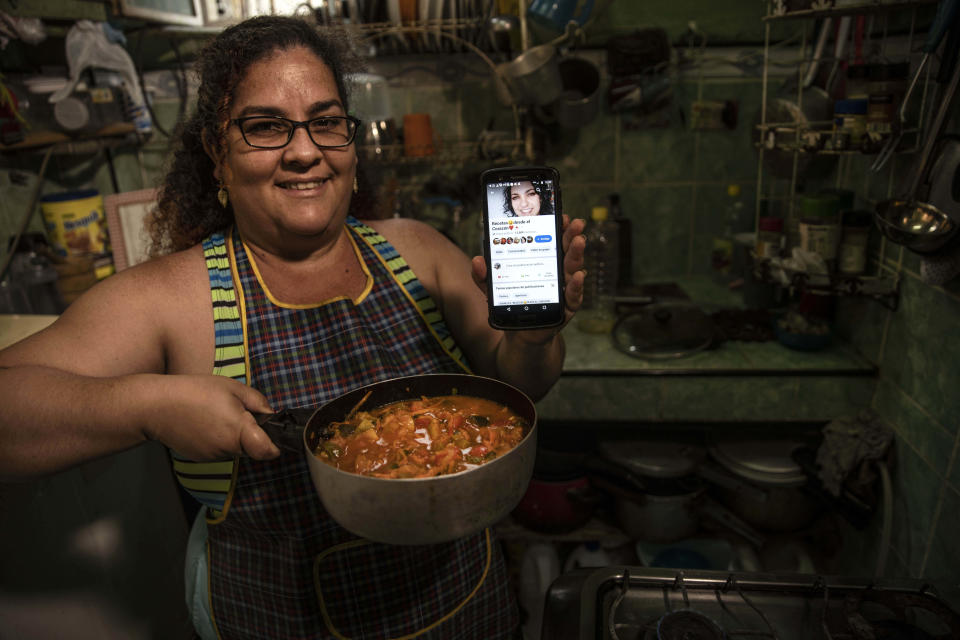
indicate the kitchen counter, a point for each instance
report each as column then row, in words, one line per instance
column 731, row 382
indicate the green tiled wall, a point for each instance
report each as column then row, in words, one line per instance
column 917, row 396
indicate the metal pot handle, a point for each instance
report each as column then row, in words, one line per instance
column 285, row 427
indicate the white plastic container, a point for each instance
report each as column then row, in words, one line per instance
column 539, row 567
column 588, row 554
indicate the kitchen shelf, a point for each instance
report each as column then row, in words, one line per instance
column 884, row 290
column 780, row 13
column 118, row 135
column 595, row 529
column 458, row 153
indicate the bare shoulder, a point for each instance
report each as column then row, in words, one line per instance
column 423, row 247
column 142, row 319
column 406, row 233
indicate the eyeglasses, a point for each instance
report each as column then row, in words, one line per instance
column 275, row 132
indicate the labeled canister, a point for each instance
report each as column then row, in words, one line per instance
column 76, row 226
column 820, row 226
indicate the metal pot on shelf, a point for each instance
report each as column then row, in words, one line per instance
column 654, row 485
column 761, row 483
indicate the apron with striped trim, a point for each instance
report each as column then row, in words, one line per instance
column 279, row 566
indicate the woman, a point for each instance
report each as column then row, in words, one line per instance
column 527, row 198
column 289, row 301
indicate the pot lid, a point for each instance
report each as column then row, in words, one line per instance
column 762, row 461
column 664, row 330
column 653, row 459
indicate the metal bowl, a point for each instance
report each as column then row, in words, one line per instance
column 424, row 510
column 920, row 227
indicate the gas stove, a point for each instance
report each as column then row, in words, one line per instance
column 638, row 603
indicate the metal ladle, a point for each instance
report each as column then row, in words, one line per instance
column 942, row 22
column 921, row 226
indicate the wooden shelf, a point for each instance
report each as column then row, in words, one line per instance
column 111, row 136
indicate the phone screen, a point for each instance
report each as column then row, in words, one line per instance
column 522, row 246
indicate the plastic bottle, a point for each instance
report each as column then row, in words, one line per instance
column 625, row 243
column 734, row 222
column 588, row 554
column 598, row 312
column 539, row 567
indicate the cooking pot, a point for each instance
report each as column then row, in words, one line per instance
column 533, row 77
column 579, row 101
column 655, row 487
column 761, row 483
column 413, row 511
column 556, row 504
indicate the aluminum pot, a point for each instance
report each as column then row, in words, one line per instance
column 417, row 511
column 579, row 101
column 761, row 483
column 533, row 77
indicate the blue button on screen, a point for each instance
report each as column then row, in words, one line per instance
column 543, row 239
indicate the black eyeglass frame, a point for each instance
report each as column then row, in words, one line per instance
column 296, row 125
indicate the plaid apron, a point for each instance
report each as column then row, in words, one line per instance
column 279, row 566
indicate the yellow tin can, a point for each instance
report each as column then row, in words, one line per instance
column 76, row 226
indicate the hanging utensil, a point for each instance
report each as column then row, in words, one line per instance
column 942, row 22
column 911, row 221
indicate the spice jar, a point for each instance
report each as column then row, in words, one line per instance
column 886, row 84
column 819, row 226
column 855, row 235
column 849, row 123
column 769, row 237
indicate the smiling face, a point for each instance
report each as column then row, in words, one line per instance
column 287, row 198
column 524, row 199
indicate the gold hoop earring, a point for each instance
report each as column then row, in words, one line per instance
column 356, row 187
column 223, row 197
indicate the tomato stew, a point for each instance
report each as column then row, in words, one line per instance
column 422, row 438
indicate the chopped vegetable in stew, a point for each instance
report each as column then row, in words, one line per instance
column 422, row 438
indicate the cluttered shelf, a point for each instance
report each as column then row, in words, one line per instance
column 442, row 152
column 883, row 289
column 779, row 10
column 114, row 135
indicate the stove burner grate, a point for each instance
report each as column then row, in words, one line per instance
column 688, row 625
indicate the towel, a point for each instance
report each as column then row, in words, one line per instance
column 850, row 447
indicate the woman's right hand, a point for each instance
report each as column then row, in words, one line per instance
column 203, row 417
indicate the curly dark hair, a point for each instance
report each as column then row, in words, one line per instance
column 546, row 199
column 187, row 207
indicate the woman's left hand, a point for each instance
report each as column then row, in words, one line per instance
column 573, row 243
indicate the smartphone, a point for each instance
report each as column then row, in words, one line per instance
column 522, row 223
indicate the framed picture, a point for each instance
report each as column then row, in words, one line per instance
column 126, row 214
column 185, row 12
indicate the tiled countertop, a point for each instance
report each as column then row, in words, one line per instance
column 732, row 382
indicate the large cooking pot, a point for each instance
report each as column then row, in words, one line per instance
column 762, row 484
column 412, row 511
column 655, row 487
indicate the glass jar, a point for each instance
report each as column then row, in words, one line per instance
column 769, row 237
column 854, row 238
column 849, row 123
column 886, row 84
